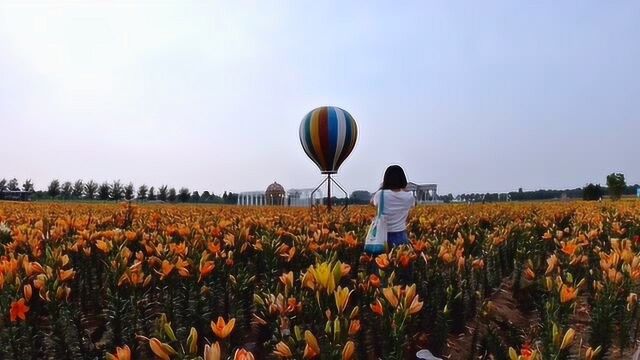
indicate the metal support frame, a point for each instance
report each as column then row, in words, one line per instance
column 329, row 180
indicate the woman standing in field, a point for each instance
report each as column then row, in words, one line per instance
column 397, row 203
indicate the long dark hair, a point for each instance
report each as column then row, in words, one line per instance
column 394, row 178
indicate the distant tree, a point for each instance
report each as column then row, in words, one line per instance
column 117, row 191
column 591, row 192
column 205, row 197
column 360, row 197
column 78, row 189
column 13, row 185
column 231, row 198
column 28, row 186
column 195, row 197
column 152, row 193
column 631, row 189
column 104, row 191
column 162, row 193
column 129, row 190
column 91, row 188
column 616, row 185
column 142, row 192
column 3, row 184
column 67, row 190
column 225, row 196
column 447, row 198
column 216, row 199
column 183, row 195
column 54, row 188
column 172, row 195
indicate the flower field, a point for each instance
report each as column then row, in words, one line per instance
column 87, row 281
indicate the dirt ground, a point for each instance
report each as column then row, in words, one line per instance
column 505, row 315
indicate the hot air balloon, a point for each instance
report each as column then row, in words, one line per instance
column 328, row 134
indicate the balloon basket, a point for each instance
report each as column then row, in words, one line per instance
column 329, row 180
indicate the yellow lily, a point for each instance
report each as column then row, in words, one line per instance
column 342, row 298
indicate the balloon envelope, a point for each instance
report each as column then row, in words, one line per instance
column 328, row 135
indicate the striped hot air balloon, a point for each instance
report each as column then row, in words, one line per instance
column 328, row 135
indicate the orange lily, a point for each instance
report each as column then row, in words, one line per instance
column 376, row 307
column 529, row 274
column 349, row 350
column 66, row 274
column 160, row 349
column 103, row 246
column 345, row 269
column 478, row 264
column 122, row 353
column 312, row 349
column 552, row 262
column 131, row 235
column 287, row 279
column 390, row 294
column 206, row 268
column 222, row 329
column 416, row 305
column 567, row 294
column 242, row 354
column 212, row 352
column 282, row 350
column 374, row 280
column 569, row 248
column 167, row 268
column 354, row 327
column 383, row 261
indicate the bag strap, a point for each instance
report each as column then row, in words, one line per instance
column 381, row 203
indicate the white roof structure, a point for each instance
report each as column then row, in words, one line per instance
column 424, row 193
column 293, row 197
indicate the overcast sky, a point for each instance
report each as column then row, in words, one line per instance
column 475, row 96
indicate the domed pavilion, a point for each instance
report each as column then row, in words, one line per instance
column 275, row 194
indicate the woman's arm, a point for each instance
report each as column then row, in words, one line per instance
column 373, row 200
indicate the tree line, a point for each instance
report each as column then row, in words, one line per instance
column 616, row 187
column 116, row 191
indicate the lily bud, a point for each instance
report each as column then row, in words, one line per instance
column 298, row 333
column 28, row 291
column 192, row 341
column 336, row 329
column 568, row 339
column 632, row 300
column 169, row 331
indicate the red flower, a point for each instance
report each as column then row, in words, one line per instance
column 18, row 310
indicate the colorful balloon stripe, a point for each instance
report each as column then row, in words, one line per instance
column 328, row 135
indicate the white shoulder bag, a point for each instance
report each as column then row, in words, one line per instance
column 376, row 241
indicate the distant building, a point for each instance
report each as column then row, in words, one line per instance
column 275, row 195
column 302, row 197
column 16, row 195
column 424, row 193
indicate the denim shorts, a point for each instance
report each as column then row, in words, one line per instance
column 397, row 238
